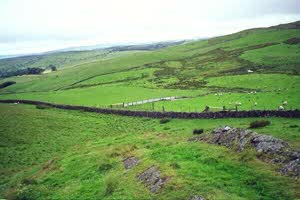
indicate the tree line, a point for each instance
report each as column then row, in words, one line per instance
column 26, row 71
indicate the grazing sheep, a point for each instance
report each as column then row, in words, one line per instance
column 285, row 103
column 238, row 103
column 280, row 108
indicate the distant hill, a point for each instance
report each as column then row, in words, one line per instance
column 73, row 56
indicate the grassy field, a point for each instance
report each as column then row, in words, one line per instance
column 55, row 154
column 62, row 158
column 217, row 65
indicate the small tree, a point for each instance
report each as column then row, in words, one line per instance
column 53, row 67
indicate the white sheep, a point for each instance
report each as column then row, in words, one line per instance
column 238, row 103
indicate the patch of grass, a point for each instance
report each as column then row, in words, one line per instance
column 164, row 121
column 29, row 181
column 104, row 167
column 175, row 165
column 42, row 107
column 111, row 184
column 81, row 143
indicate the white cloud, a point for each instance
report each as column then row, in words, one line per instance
column 35, row 25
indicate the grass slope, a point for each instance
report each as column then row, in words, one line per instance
column 55, row 154
column 217, row 65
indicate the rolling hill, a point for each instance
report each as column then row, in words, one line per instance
column 48, row 153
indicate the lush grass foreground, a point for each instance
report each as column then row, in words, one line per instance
column 56, row 154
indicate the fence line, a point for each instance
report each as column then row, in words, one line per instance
column 155, row 114
column 134, row 103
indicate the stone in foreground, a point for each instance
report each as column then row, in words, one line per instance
column 267, row 147
column 196, row 197
column 130, row 162
column 151, row 178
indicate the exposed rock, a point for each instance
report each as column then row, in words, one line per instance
column 292, row 168
column 130, row 162
column 268, row 144
column 151, row 178
column 269, row 148
column 196, row 197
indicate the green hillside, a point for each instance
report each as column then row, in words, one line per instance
column 48, row 153
column 217, row 65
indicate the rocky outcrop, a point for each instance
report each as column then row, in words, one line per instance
column 292, row 168
column 130, row 162
column 152, row 179
column 268, row 144
column 268, row 148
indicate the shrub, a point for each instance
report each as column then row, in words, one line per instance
column 41, row 106
column 259, row 123
column 293, row 126
column 198, row 131
column 164, row 120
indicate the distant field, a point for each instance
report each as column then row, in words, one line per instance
column 105, row 95
column 281, row 56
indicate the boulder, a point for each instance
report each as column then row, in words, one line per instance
column 130, row 162
column 268, row 144
column 196, row 197
column 292, row 168
column 152, row 179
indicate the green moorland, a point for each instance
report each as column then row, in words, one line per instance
column 56, row 154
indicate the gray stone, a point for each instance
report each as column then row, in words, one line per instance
column 268, row 144
column 151, row 178
column 196, row 197
column 130, row 162
column 292, row 168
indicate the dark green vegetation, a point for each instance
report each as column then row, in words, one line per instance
column 55, row 154
column 26, row 71
column 259, row 123
column 6, row 84
column 198, row 131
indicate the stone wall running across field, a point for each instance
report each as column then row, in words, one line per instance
column 182, row 115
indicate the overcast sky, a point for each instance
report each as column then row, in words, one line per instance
column 30, row 26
